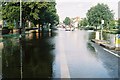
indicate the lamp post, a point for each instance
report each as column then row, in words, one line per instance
column 21, row 64
column 20, row 22
column 102, row 23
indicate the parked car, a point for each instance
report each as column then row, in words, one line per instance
column 67, row 28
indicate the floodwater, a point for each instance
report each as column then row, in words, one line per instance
column 49, row 55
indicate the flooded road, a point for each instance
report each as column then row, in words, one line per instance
column 60, row 54
column 85, row 59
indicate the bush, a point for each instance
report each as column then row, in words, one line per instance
column 5, row 28
column 10, row 25
column 118, row 31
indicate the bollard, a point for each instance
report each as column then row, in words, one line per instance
column 97, row 35
column 117, row 42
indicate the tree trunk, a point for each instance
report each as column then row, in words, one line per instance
column 23, row 26
column 42, row 28
column 11, row 31
column 96, row 27
column 20, row 30
column 39, row 28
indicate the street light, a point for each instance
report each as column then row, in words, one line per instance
column 20, row 14
column 21, row 64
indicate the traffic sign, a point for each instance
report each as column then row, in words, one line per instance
column 118, row 39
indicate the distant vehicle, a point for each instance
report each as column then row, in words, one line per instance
column 73, row 29
column 67, row 28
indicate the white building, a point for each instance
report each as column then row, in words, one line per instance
column 75, row 21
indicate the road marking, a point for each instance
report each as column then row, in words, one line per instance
column 63, row 63
column 111, row 52
column 64, row 66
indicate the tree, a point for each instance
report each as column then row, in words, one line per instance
column 98, row 13
column 67, row 21
column 112, row 24
column 118, row 24
column 11, row 12
column 83, row 22
column 50, row 14
column 41, row 13
column 0, row 10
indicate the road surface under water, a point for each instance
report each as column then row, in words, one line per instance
column 61, row 54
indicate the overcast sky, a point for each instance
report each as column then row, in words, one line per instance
column 74, row 8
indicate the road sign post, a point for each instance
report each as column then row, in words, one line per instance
column 117, row 41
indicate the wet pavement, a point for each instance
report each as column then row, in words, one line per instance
column 60, row 54
column 85, row 61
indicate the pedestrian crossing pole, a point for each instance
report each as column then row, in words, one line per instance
column 117, row 42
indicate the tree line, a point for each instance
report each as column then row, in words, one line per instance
column 94, row 17
column 38, row 13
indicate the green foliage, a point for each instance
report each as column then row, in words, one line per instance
column 112, row 24
column 119, row 22
column 83, row 22
column 98, row 13
column 11, row 13
column 67, row 21
column 10, row 25
column 41, row 13
column 0, row 10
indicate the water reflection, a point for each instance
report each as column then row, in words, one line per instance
column 109, row 61
column 10, row 58
column 1, row 46
column 90, row 47
column 37, row 57
column 33, row 56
